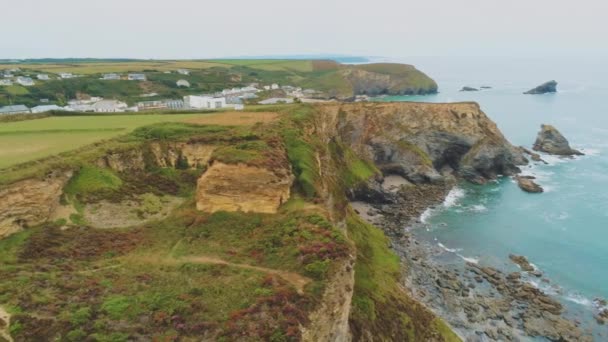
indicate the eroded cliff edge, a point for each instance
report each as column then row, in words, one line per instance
column 309, row 164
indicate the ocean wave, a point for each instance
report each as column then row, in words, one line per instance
column 590, row 152
column 453, row 197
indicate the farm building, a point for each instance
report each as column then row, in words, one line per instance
column 46, row 108
column 111, row 77
column 183, row 71
column 204, row 102
column 66, row 75
column 137, row 77
column 25, row 81
column 43, row 77
column 109, row 106
column 6, row 82
column 16, row 109
column 183, row 83
column 175, row 104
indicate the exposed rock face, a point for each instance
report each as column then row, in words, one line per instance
column 547, row 87
column 528, row 185
column 467, row 88
column 30, row 202
column 243, row 188
column 420, row 142
column 194, row 154
column 131, row 160
column 330, row 321
column 550, row 140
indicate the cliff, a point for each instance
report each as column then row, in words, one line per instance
column 263, row 231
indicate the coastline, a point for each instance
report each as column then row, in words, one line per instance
column 477, row 301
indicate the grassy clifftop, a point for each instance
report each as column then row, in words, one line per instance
column 190, row 275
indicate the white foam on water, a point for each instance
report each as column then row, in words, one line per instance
column 478, row 208
column 451, row 250
column 468, row 259
column 453, row 197
column 426, row 215
column 579, row 299
column 590, row 152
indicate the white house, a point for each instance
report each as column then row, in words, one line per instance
column 274, row 86
column 137, row 77
column 111, row 77
column 183, row 71
column 43, row 77
column 109, row 106
column 204, row 102
column 183, row 83
column 25, row 81
column 46, row 108
column 66, row 75
column 266, row 87
column 16, row 109
column 6, row 82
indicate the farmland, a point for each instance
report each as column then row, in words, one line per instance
column 25, row 141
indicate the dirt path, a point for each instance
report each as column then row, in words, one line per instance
column 5, row 321
column 297, row 280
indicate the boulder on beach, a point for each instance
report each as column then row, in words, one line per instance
column 528, row 185
column 551, row 141
column 466, row 88
column 547, row 87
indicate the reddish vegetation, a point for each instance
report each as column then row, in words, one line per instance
column 79, row 243
column 274, row 317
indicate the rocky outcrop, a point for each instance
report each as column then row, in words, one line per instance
column 528, row 185
column 242, row 187
column 30, row 202
column 123, row 161
column 551, row 141
column 467, row 88
column 547, row 87
column 422, row 142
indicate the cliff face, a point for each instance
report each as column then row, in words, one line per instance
column 423, row 142
column 390, row 79
column 30, row 202
column 243, row 188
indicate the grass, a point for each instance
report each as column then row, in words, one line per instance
column 25, row 141
column 90, row 179
column 17, row 90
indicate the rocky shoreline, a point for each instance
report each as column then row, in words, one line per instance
column 481, row 303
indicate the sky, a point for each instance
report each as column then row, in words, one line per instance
column 187, row 29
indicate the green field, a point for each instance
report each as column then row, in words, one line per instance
column 25, row 141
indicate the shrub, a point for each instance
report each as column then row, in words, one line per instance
column 92, row 179
column 116, row 306
column 317, row 269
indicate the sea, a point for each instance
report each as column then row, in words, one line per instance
column 564, row 231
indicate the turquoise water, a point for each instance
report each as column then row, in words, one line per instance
column 564, row 231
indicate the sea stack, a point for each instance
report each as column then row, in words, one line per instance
column 551, row 141
column 547, row 87
column 528, row 185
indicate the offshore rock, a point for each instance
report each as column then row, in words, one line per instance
column 550, row 140
column 547, row 87
column 528, row 185
column 466, row 88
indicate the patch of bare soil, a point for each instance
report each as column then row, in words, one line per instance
column 234, row 118
column 128, row 213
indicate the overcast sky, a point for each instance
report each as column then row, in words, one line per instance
column 219, row 28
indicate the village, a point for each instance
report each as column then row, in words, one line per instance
column 234, row 98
